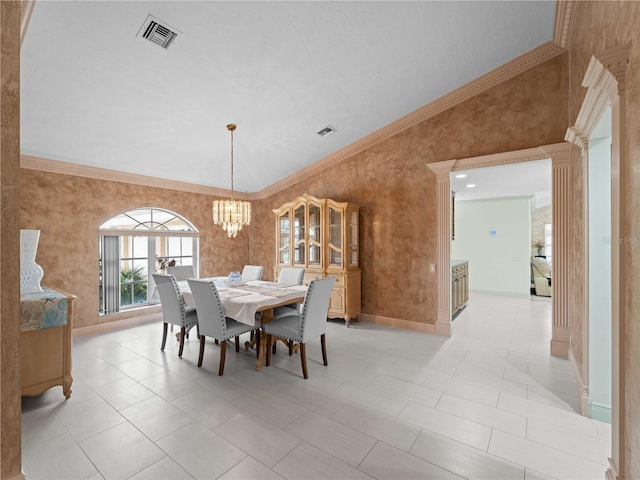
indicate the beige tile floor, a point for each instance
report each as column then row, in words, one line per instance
column 487, row 403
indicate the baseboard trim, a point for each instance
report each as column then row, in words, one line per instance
column 398, row 323
column 583, row 389
column 559, row 348
column 117, row 325
column 612, row 471
column 600, row 411
column 502, row 294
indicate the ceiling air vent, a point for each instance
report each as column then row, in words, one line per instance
column 158, row 32
column 326, row 131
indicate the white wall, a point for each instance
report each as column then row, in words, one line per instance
column 495, row 236
column 539, row 217
column 600, row 279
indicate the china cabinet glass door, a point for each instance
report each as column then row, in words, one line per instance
column 299, row 243
column 335, row 237
column 284, row 234
column 315, row 236
column 353, row 239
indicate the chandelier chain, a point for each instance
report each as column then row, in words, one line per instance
column 231, row 214
column 232, row 164
column 231, row 127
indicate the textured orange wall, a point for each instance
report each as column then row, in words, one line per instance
column 396, row 191
column 601, row 26
column 390, row 181
column 69, row 210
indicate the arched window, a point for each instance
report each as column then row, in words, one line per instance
column 133, row 245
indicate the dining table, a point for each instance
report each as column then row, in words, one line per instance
column 242, row 303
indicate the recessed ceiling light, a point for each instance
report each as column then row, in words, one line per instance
column 461, row 175
column 471, row 185
column 326, row 131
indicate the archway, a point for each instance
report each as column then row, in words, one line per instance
column 561, row 156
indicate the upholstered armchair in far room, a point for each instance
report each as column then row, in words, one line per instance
column 541, row 272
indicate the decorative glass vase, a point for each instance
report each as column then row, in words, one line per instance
column 30, row 272
column 235, row 279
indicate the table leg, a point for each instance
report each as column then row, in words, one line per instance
column 267, row 316
column 254, row 339
column 261, row 353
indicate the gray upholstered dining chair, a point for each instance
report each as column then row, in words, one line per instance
column 174, row 310
column 305, row 326
column 291, row 275
column 212, row 320
column 288, row 276
column 252, row 272
column 182, row 272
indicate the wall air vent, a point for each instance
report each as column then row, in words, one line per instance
column 326, row 131
column 158, row 32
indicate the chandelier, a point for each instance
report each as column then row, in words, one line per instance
column 231, row 214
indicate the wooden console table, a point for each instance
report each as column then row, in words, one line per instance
column 45, row 339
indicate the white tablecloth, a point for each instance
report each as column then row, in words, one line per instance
column 242, row 303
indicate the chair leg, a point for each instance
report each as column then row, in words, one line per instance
column 223, row 354
column 273, row 347
column 237, row 343
column 303, row 359
column 290, row 347
column 217, row 342
column 269, row 339
column 164, row 335
column 323, row 343
column 183, row 334
column 258, row 339
column 201, row 351
column 198, row 330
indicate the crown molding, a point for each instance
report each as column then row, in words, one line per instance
column 566, row 14
column 67, row 168
column 554, row 150
column 442, row 169
column 489, row 80
column 615, row 61
column 604, row 79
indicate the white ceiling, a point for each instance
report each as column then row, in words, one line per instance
column 514, row 180
column 94, row 93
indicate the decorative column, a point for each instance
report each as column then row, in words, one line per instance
column 10, row 406
column 561, row 197
column 443, row 245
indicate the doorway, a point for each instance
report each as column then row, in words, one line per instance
column 598, row 206
column 501, row 212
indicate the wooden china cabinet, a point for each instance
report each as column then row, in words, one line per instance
column 321, row 236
